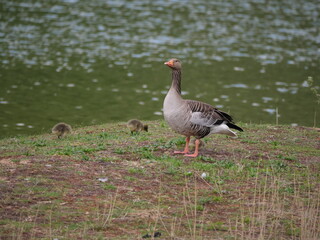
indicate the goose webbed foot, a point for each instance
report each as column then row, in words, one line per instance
column 186, row 148
column 196, row 151
column 191, row 155
column 181, row 152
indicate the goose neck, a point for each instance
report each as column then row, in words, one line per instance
column 176, row 80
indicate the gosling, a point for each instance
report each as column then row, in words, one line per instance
column 135, row 126
column 61, row 129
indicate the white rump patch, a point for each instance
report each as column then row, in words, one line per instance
column 222, row 129
column 198, row 118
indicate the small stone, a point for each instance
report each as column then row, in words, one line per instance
column 103, row 179
column 204, row 175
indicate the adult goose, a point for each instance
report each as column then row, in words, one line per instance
column 193, row 118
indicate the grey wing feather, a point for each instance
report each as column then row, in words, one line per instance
column 206, row 115
column 203, row 119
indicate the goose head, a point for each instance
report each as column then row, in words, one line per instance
column 174, row 64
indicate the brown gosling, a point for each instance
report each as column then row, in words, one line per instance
column 136, row 126
column 61, row 129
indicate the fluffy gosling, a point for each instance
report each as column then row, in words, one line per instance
column 61, row 129
column 136, row 126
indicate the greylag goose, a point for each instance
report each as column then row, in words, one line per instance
column 61, row 129
column 193, row 118
column 135, row 126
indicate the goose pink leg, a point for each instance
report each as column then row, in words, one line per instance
column 196, row 151
column 186, row 148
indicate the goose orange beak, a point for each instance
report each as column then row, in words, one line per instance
column 169, row 63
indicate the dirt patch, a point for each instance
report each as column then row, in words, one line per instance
column 7, row 162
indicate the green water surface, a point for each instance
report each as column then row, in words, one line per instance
column 90, row 62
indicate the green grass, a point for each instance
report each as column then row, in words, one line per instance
column 262, row 185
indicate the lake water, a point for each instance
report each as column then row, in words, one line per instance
column 92, row 61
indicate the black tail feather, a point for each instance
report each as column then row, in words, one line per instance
column 231, row 125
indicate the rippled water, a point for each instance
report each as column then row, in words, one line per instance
column 87, row 62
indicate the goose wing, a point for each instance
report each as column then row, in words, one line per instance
column 206, row 115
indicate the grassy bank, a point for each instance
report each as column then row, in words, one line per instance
column 102, row 183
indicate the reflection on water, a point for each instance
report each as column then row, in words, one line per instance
column 87, row 62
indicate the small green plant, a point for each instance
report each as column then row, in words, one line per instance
column 205, row 200
column 314, row 89
column 278, row 165
column 275, row 144
column 175, row 142
column 290, row 227
column 109, row 186
column 217, row 226
column 119, row 151
column 104, row 135
column 130, row 179
column 247, row 220
column 200, row 207
column 16, row 160
column 289, row 158
column 39, row 143
column 172, row 165
column 107, row 159
column 217, row 198
column 287, row 189
column 28, row 153
column 85, row 157
column 136, row 171
column 146, row 152
column 171, row 170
